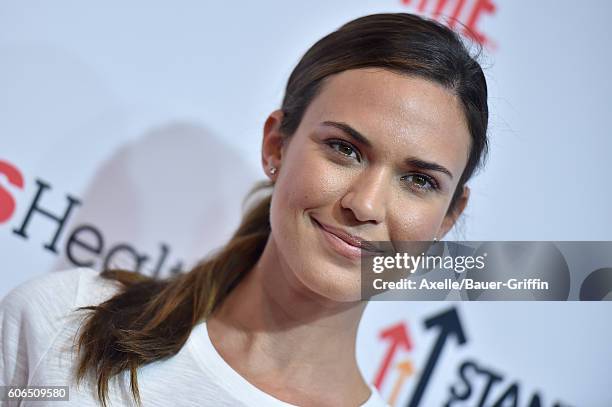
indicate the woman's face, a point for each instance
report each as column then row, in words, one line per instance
column 377, row 155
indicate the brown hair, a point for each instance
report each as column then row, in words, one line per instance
column 150, row 319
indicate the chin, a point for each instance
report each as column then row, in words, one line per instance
column 325, row 274
column 332, row 282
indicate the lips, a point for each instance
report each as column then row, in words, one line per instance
column 350, row 246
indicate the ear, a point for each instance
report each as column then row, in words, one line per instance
column 272, row 144
column 451, row 218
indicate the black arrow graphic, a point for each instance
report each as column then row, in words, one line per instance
column 449, row 324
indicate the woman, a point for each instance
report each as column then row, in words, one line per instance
column 382, row 123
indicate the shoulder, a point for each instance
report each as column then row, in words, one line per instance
column 40, row 306
column 35, row 312
column 57, row 292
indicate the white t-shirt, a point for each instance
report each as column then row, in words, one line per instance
column 38, row 327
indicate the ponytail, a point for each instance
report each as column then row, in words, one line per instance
column 151, row 319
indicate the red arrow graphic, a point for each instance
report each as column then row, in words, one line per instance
column 397, row 335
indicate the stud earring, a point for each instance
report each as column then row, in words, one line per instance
column 272, row 170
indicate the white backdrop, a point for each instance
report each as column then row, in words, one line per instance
column 151, row 114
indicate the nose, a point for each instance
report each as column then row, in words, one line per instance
column 366, row 196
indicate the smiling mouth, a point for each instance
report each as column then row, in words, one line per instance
column 353, row 249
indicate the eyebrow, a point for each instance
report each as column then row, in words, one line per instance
column 410, row 161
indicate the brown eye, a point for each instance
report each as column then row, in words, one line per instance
column 344, row 148
column 420, row 182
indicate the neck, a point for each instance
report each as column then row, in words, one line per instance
column 275, row 328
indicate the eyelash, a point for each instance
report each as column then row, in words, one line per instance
column 432, row 182
column 332, row 143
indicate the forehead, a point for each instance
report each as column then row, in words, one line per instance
column 398, row 113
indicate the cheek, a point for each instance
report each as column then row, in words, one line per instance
column 415, row 219
column 310, row 181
